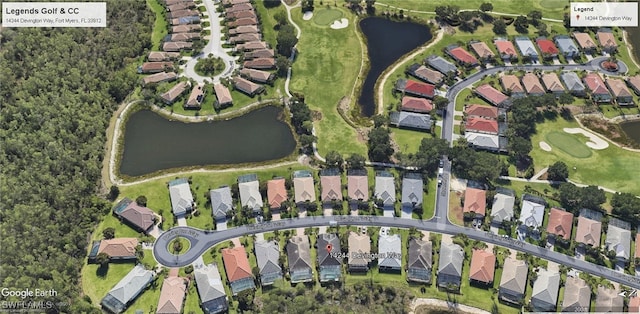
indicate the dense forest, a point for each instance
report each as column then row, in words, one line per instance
column 58, row 90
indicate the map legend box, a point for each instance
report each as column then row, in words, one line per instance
column 588, row 14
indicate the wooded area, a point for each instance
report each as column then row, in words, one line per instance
column 59, row 89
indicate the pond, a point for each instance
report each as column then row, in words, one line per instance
column 632, row 129
column 387, row 41
column 634, row 38
column 153, row 143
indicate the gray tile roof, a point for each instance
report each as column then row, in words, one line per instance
column 221, row 201
column 299, row 258
column 411, row 191
column 526, row 47
column 385, row 190
column 514, row 275
column 210, row 288
column 411, row 120
column 486, row 141
column 577, row 295
column 390, row 249
column 572, row 81
column 502, row 208
column 441, row 64
column 451, row 258
column 545, row 290
column 267, row 255
column 127, row 289
column 181, row 197
column 250, row 194
column 618, row 240
column 324, row 258
column 566, row 45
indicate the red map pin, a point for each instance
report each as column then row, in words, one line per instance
column 578, row 17
column 329, row 248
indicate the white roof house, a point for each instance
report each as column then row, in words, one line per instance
column 531, row 214
column 385, row 190
column 486, row 141
column 545, row 291
column 181, row 197
column 526, row 47
column 502, row 208
column 250, row 192
column 389, row 252
column 618, row 239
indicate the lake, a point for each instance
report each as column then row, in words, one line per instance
column 153, row 143
column 634, row 38
column 632, row 129
column 387, row 41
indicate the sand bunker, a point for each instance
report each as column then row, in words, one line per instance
column 545, row 147
column 594, row 141
column 307, row 15
column 342, row 23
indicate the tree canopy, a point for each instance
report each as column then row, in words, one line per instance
column 558, row 171
column 627, row 206
column 575, row 198
column 286, row 40
column 380, row 148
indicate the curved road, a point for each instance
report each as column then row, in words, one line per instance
column 201, row 240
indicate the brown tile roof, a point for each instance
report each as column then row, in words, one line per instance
column 259, row 53
column 222, row 94
column 304, row 189
column 358, row 243
column 239, row 7
column 256, row 75
column 415, row 104
column 196, row 96
column 171, row 95
column 276, row 192
column 618, row 88
column 243, row 22
column 260, row 63
column 155, row 56
column 606, row 39
column 595, row 84
column 491, row 94
column 560, row 223
column 552, row 82
column 184, row 36
column 245, row 38
column 511, row 83
column 634, row 304
column 140, row 216
column 172, row 2
column 634, row 81
column 186, row 28
column 358, row 188
column 176, row 45
column 180, row 6
column 244, row 29
column 429, row 75
column 475, row 201
column 588, row 231
column 638, row 244
column 154, row 67
column 506, row 47
column 183, row 13
column 584, row 40
column 331, row 188
column 532, row 84
column 608, row 300
column 236, row 263
column 242, row 14
column 246, row 85
column 482, row 50
column 234, row 2
column 172, row 295
column 482, row 125
column 483, row 265
column 159, row 77
column 252, row 45
column 119, row 247
column 478, row 111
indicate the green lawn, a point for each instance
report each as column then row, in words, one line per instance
column 612, row 167
column 408, row 140
column 324, row 17
column 96, row 282
column 568, row 143
column 160, row 26
column 325, row 71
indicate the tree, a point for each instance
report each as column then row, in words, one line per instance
column 300, row 113
column 177, row 246
column 103, row 259
column 440, row 102
column 355, row 161
column 370, row 6
column 307, row 5
column 114, row 191
column 626, row 205
column 379, row 143
column 282, row 64
column 307, row 141
column 565, row 99
column 519, row 147
column 429, row 153
column 522, row 24
column 286, row 40
column 534, row 16
column 141, row 200
column 575, row 198
column 109, row 233
column 281, row 18
column 380, row 120
column 334, row 160
column 499, row 27
column 486, row 7
column 558, row 171
column 542, row 29
column 447, row 12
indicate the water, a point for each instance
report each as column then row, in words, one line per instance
column 387, row 41
column 154, row 143
column 632, row 129
column 634, row 38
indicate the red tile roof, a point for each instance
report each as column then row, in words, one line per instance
column 462, row 55
column 119, row 247
column 491, row 94
column 595, row 84
column 638, row 244
column 415, row 104
column 236, row 263
column 475, row 200
column 420, row 88
column 481, row 111
column 547, row 46
column 506, row 47
column 172, row 295
column 560, row 223
column 483, row 265
column 276, row 192
column 481, row 125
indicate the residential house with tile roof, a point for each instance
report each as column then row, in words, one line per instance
column 299, row 258
column 257, row 76
column 506, row 49
column 389, row 253
column 243, row 38
column 547, row 47
column 213, row 299
column 329, row 260
column 619, row 239
column 158, row 56
column 221, row 202
column 475, row 202
column 489, row 142
column 247, row 87
column 634, row 83
column 637, row 250
column 502, row 207
column 159, row 78
column 357, row 185
column 608, row 300
column 260, row 63
column 532, row 211
column 552, row 83
column 450, row 266
column 574, row 84
column 181, row 6
column 566, row 46
column 127, row 289
column 607, row 40
column 491, row 95
column 243, row 22
column 178, row 37
column 267, row 256
column 620, row 92
column 634, row 304
column 176, row 46
column 589, row 230
column 172, row 295
column 425, row 74
column 532, row 85
column 276, row 193
column 237, row 268
column 545, row 291
column 181, row 198
column 331, row 186
column 585, row 42
column 182, row 13
column 303, row 187
column 118, row 249
column 419, row 261
column 482, row 112
column 560, row 223
column 483, row 265
column 239, row 7
column 480, row 125
column 176, row 91
column 511, row 85
column 189, row 28
column 246, row 29
column 228, row 3
column 223, row 96
column 249, row 188
column 385, row 190
column 526, row 47
column 577, row 295
column 514, row 281
column 358, row 258
column 599, row 91
column 412, row 185
column 185, row 20
column 155, row 67
column 195, row 97
column 241, row 14
column 252, row 45
column 415, row 104
column 138, row 217
column 415, row 88
column 462, row 56
column 410, row 120
column 482, row 50
column 441, row 65
column 260, row 53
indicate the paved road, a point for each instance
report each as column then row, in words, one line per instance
column 201, row 240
